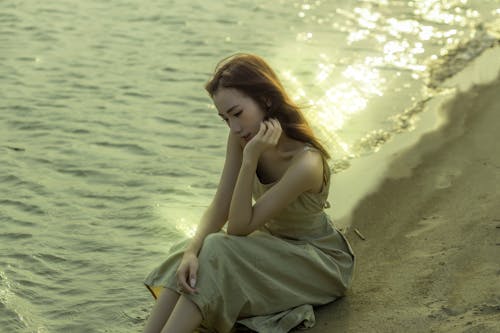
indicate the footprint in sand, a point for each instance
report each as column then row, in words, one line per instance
column 426, row 224
column 445, row 179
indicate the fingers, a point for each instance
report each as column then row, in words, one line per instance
column 273, row 131
column 262, row 129
column 277, row 130
column 193, row 269
column 268, row 127
column 267, row 136
column 183, row 286
column 186, row 278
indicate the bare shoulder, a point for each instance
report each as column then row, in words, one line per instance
column 308, row 165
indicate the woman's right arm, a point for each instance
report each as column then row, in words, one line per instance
column 215, row 216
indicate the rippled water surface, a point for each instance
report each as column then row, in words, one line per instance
column 110, row 148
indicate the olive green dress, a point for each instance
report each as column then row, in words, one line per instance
column 269, row 280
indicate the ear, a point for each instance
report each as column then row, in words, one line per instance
column 266, row 102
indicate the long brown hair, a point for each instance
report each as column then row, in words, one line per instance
column 251, row 75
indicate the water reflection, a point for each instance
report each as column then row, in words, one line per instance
column 329, row 112
column 188, row 228
column 402, row 37
column 440, row 11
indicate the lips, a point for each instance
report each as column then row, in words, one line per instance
column 246, row 137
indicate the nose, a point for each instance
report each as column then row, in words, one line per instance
column 234, row 125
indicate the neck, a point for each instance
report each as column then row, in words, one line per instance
column 285, row 144
column 285, row 148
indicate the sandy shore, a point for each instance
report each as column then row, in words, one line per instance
column 431, row 258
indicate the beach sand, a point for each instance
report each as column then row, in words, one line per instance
column 431, row 258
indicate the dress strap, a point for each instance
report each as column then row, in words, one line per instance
column 309, row 147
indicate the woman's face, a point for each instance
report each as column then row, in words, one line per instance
column 241, row 113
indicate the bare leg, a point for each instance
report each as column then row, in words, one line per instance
column 185, row 317
column 161, row 311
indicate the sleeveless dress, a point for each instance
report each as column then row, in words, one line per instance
column 270, row 280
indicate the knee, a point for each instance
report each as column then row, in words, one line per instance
column 214, row 242
column 213, row 251
column 217, row 244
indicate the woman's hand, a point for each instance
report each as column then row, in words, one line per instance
column 187, row 273
column 267, row 137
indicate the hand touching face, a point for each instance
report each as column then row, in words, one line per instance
column 267, row 137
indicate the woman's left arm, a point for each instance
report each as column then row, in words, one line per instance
column 301, row 175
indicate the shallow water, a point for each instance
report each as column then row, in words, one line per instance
column 110, row 148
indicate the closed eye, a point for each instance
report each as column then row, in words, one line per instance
column 237, row 114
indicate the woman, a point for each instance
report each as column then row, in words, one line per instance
column 278, row 256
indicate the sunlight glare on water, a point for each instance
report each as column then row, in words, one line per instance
column 340, row 101
column 345, row 89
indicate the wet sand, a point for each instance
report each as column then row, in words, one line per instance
column 431, row 258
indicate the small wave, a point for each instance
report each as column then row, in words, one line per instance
column 174, row 102
column 78, row 131
column 19, row 108
column 15, row 235
column 112, row 198
column 178, row 146
column 455, row 59
column 85, row 86
column 129, row 147
column 79, row 172
column 27, row 125
column 23, row 206
column 51, row 258
column 170, row 69
column 16, row 181
column 136, row 94
column 18, row 223
column 19, row 310
column 170, row 121
column 15, row 148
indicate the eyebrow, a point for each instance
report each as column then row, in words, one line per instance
column 231, row 109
